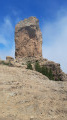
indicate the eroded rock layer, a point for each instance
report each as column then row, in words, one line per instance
column 28, row 38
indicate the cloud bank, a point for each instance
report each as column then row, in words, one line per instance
column 55, row 40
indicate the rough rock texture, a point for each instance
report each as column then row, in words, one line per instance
column 28, row 46
column 58, row 74
column 9, row 58
column 28, row 38
column 28, row 95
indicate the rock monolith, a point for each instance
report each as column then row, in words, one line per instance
column 28, row 38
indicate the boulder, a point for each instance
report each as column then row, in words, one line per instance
column 9, row 58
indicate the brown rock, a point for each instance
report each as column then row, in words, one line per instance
column 9, row 58
column 28, row 47
column 28, row 38
column 58, row 74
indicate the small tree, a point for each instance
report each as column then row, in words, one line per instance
column 29, row 66
column 50, row 75
column 37, row 66
column 46, row 72
column 43, row 70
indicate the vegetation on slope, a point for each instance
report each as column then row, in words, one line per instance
column 42, row 69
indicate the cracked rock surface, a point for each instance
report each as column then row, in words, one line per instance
column 28, row 38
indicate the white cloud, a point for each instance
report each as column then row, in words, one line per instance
column 6, row 38
column 55, row 40
column 6, row 30
column 2, row 40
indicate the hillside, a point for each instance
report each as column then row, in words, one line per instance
column 29, row 95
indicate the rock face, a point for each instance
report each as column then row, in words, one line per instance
column 28, row 38
column 28, row 47
column 58, row 74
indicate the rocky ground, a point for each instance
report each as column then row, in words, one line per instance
column 28, row 95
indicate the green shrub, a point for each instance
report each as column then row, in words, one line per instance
column 50, row 75
column 44, row 70
column 48, row 72
column 29, row 66
column 37, row 66
column 59, row 79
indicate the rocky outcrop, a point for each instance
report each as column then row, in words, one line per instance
column 28, row 47
column 58, row 74
column 9, row 58
column 28, row 38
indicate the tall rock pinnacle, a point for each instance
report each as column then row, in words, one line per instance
column 28, row 38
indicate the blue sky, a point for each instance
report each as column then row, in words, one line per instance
column 52, row 15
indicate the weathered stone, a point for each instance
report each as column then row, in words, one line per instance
column 28, row 47
column 56, row 70
column 9, row 58
column 28, row 38
column 58, row 74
